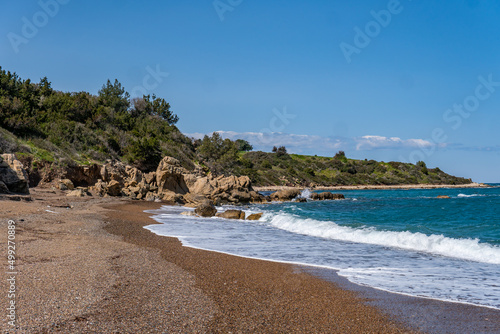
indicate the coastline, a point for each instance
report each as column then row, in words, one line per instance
column 90, row 265
column 377, row 187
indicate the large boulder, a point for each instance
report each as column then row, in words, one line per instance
column 285, row 195
column 113, row 171
column 13, row 175
column 205, row 209
column 227, row 189
column 66, row 184
column 170, row 177
column 114, row 188
column 133, row 177
column 231, row 214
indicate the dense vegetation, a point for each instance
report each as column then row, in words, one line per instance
column 41, row 124
column 293, row 169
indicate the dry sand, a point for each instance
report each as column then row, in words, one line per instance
column 89, row 266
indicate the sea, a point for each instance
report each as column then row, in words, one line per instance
column 403, row 241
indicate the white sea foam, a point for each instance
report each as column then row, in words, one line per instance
column 306, row 193
column 466, row 249
column 464, row 195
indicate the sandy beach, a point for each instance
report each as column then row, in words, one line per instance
column 88, row 265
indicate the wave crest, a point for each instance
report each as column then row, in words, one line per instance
column 466, row 249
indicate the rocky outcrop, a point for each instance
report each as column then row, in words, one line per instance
column 205, row 209
column 229, row 189
column 171, row 182
column 326, row 196
column 12, row 175
column 231, row 214
column 285, row 195
column 81, row 175
column 170, row 178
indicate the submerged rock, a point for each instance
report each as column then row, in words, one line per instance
column 255, row 216
column 326, row 196
column 206, row 209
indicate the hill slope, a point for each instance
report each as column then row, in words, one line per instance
column 55, row 129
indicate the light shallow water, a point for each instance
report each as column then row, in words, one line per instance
column 403, row 241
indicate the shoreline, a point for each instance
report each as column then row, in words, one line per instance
column 377, row 187
column 90, row 265
column 418, row 313
column 258, row 295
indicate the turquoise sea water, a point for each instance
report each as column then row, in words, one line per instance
column 403, row 241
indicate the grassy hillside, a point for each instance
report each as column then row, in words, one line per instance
column 45, row 127
column 293, row 169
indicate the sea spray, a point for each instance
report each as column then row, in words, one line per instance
column 306, row 193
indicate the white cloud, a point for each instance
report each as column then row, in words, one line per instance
column 293, row 142
column 312, row 144
column 380, row 142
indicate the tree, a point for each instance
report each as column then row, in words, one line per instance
column 281, row 151
column 114, row 96
column 423, row 167
column 243, row 145
column 340, row 155
column 156, row 106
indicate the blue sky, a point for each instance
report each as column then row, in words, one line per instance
column 387, row 80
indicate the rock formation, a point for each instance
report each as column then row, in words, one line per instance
column 205, row 209
column 285, row 195
column 326, row 196
column 13, row 177
column 232, row 214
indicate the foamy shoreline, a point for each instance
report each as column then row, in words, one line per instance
column 368, row 187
